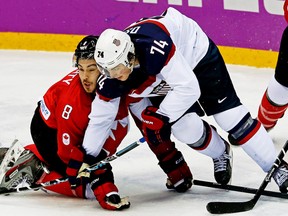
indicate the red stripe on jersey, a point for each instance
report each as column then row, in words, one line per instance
column 154, row 22
column 148, row 82
column 104, row 98
column 251, row 134
column 171, row 53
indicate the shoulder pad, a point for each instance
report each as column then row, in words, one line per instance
column 109, row 88
column 153, row 45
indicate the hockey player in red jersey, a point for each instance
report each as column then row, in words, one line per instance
column 58, row 128
column 275, row 99
column 170, row 55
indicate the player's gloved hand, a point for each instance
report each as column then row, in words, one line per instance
column 77, row 178
column 79, row 161
column 105, row 191
column 156, row 127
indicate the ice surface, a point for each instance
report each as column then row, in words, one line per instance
column 26, row 75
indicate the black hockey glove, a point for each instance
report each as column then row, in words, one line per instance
column 77, row 164
column 75, row 167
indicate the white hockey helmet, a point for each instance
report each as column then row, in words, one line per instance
column 113, row 48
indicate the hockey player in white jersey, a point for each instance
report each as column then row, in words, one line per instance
column 170, row 55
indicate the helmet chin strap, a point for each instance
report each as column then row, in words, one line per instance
column 131, row 68
column 134, row 64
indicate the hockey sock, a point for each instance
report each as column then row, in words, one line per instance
column 269, row 112
column 261, row 149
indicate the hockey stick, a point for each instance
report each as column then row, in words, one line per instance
column 239, row 189
column 64, row 179
column 233, row 207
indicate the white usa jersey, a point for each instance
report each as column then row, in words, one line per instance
column 168, row 48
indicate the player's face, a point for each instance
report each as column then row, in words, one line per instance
column 120, row 72
column 89, row 74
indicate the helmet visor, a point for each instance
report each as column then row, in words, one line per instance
column 110, row 73
column 104, row 71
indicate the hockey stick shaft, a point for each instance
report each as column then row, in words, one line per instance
column 233, row 207
column 91, row 168
column 116, row 155
column 238, row 189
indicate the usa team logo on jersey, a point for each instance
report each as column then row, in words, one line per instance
column 161, row 89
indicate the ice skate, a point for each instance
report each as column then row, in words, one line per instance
column 281, row 177
column 223, row 166
column 10, row 157
column 22, row 170
column 3, row 151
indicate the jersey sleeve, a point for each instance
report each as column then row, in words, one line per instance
column 102, row 116
column 108, row 89
column 48, row 105
column 185, row 88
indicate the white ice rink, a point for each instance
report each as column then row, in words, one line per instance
column 24, row 78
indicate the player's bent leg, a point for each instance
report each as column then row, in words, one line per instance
column 255, row 141
column 219, row 150
column 250, row 134
column 203, row 138
column 174, row 165
column 177, row 170
column 260, row 148
column 63, row 188
column 26, row 170
column 105, row 191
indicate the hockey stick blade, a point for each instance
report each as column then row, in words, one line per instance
column 229, row 207
column 233, row 207
column 4, row 191
column 241, row 189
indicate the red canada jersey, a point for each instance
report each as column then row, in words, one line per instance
column 66, row 107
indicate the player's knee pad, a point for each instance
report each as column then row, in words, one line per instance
column 244, row 130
